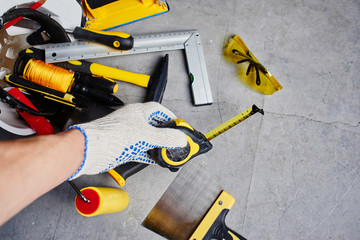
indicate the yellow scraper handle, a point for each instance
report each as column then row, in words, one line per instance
column 110, row 72
column 213, row 225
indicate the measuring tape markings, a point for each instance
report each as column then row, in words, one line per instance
column 77, row 50
column 233, row 122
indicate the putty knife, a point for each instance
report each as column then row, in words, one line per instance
column 193, row 207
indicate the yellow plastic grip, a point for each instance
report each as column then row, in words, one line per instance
column 224, row 201
column 233, row 236
column 181, row 123
column 194, row 148
column 117, row 177
column 118, row 74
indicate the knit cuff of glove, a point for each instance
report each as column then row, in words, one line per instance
column 85, row 151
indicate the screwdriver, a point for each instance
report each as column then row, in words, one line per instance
column 116, row 40
column 102, row 97
column 197, row 143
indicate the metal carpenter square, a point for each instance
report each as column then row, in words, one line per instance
column 200, row 85
column 187, row 40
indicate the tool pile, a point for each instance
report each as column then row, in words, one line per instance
column 50, row 68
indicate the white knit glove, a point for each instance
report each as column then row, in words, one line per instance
column 125, row 135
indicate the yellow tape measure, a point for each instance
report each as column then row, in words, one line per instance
column 233, row 122
column 197, row 142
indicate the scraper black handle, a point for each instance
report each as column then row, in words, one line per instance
column 220, row 231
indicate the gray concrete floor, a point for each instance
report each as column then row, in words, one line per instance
column 294, row 171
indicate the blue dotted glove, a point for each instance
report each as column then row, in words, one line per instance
column 126, row 135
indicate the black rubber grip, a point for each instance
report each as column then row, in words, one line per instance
column 98, row 83
column 158, row 80
column 128, row 169
column 101, row 97
column 107, row 39
column 32, row 52
column 219, row 230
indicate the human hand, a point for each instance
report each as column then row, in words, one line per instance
column 126, row 135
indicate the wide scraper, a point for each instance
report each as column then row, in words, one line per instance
column 193, row 207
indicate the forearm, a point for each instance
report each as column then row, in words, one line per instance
column 31, row 167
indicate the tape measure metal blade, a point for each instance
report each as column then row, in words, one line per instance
column 233, row 122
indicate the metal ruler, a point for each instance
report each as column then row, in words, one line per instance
column 186, row 40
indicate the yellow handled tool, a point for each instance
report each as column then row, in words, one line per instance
column 91, row 68
column 107, row 72
column 174, row 158
column 197, row 142
column 213, row 224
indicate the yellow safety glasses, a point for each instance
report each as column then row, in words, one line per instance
column 250, row 70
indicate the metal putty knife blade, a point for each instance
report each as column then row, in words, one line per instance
column 183, row 205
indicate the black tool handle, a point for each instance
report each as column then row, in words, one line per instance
column 220, row 231
column 33, row 52
column 116, row 40
column 98, row 83
column 155, row 93
column 101, row 97
column 128, row 169
column 158, row 81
